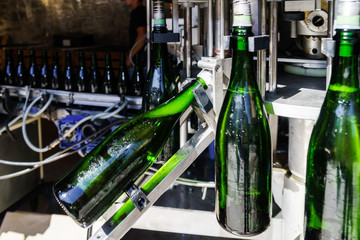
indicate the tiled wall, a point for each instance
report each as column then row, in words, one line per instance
column 35, row 21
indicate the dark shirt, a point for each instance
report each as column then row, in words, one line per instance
column 137, row 19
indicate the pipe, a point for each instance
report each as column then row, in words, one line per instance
column 273, row 46
column 210, row 37
column 148, row 33
column 261, row 63
column 330, row 35
column 188, row 39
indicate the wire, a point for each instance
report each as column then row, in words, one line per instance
column 26, row 113
column 132, row 49
column 100, row 133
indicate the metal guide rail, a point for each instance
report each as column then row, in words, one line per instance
column 76, row 98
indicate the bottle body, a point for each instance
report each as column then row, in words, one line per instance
column 82, row 77
column 44, row 72
column 108, row 82
column 34, row 75
column 332, row 200
column 94, row 75
column 123, row 78
column 9, row 78
column 137, row 79
column 159, row 87
column 68, row 73
column 21, row 77
column 56, row 82
column 243, row 149
column 87, row 190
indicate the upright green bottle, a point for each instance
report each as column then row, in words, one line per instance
column 94, row 75
column 56, row 80
column 242, row 144
column 332, row 199
column 160, row 83
column 89, row 188
column 44, row 72
column 82, row 84
column 123, row 78
column 9, row 75
column 108, row 82
column 21, row 77
column 68, row 74
column 137, row 79
column 34, row 75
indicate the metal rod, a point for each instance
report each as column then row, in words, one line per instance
column 330, row 35
column 273, row 46
column 175, row 16
column 148, row 33
column 188, row 39
column 261, row 63
column 218, row 33
column 210, row 37
column 222, row 29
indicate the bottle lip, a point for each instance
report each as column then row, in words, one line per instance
column 241, row 13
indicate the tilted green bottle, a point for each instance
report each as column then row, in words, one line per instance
column 34, row 75
column 9, row 76
column 332, row 199
column 242, row 144
column 123, row 78
column 108, row 82
column 82, row 76
column 56, row 80
column 44, row 72
column 94, row 75
column 89, row 188
column 137, row 79
column 68, row 74
column 21, row 77
column 160, row 83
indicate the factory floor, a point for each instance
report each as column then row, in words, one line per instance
column 41, row 199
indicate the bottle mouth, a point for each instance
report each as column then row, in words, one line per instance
column 159, row 14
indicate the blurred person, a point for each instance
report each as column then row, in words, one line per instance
column 137, row 29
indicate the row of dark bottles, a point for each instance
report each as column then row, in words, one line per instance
column 81, row 77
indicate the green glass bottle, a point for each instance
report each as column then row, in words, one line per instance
column 82, row 84
column 44, row 72
column 21, row 78
column 332, row 199
column 34, row 74
column 68, row 74
column 137, row 79
column 56, row 80
column 242, row 144
column 9, row 76
column 160, row 83
column 108, row 82
column 88, row 189
column 123, row 78
column 94, row 75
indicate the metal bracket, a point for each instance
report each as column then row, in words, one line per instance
column 258, row 43
column 137, row 197
column 202, row 99
column 166, row 37
column 328, row 47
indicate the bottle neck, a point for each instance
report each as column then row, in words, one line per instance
column 177, row 104
column 345, row 66
column 241, row 60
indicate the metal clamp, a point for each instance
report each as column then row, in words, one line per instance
column 137, row 197
column 328, row 47
column 258, row 43
column 202, row 99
